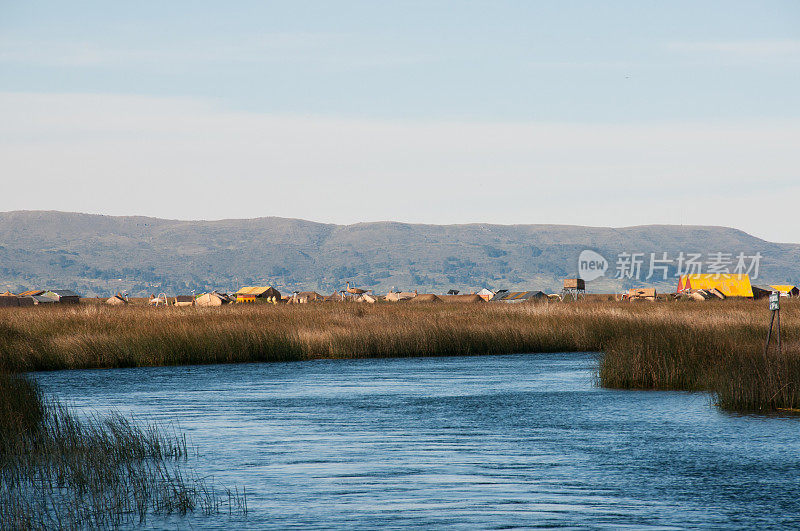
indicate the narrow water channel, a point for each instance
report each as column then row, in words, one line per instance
column 464, row 442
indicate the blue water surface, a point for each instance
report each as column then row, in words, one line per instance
column 489, row 442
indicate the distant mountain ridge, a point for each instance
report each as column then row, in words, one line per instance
column 98, row 255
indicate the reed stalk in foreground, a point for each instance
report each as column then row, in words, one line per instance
column 712, row 346
column 58, row 472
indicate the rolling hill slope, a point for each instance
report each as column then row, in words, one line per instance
column 98, row 255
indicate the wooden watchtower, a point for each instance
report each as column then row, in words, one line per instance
column 574, row 287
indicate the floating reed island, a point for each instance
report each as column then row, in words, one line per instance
column 681, row 345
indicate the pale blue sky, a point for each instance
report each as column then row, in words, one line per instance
column 437, row 105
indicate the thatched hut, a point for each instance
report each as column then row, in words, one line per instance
column 397, row 296
column 304, row 297
column 116, row 300
column 465, row 299
column 212, row 299
column 184, row 300
column 642, row 294
column 698, row 295
column 426, row 297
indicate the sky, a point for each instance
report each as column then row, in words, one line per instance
column 583, row 113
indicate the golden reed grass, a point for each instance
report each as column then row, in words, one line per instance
column 712, row 346
column 60, row 472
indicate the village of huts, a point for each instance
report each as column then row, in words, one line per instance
column 697, row 287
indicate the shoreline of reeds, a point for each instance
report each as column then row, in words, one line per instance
column 61, row 472
column 712, row 346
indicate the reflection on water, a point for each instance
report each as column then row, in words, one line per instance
column 466, row 442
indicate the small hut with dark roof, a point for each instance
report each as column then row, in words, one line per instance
column 518, row 296
column 64, row 296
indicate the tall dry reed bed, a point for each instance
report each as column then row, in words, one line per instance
column 715, row 346
column 58, row 472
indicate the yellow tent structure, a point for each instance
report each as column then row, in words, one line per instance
column 251, row 293
column 728, row 285
column 786, row 290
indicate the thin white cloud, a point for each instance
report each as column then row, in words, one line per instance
column 321, row 49
column 750, row 49
column 163, row 157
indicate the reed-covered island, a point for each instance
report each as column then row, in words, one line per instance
column 713, row 346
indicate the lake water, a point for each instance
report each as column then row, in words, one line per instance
column 464, row 442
